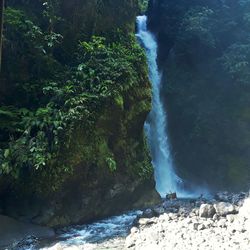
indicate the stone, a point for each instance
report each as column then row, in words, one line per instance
column 222, row 223
column 208, row 224
column 201, row 227
column 230, row 218
column 207, row 211
column 134, row 230
column 147, row 221
column 130, row 242
column 148, row 213
column 172, row 216
column 216, row 217
column 224, row 208
column 195, row 226
column 171, row 196
column 164, row 217
column 159, row 210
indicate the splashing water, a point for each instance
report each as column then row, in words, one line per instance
column 116, row 226
column 88, row 236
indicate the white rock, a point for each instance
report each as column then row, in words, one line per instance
column 164, row 217
column 230, row 218
column 216, row 217
column 224, row 208
column 244, row 211
column 222, row 223
column 130, row 242
column 134, row 230
column 146, row 221
column 201, row 227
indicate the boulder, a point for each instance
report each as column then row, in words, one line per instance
column 148, row 213
column 206, row 211
column 159, row 210
column 171, row 196
column 225, row 208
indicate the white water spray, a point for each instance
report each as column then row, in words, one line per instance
column 155, row 127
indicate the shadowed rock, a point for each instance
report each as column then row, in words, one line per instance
column 12, row 231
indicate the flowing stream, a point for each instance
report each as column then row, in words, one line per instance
column 106, row 234
column 155, row 127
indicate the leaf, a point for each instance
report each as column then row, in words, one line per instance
column 6, row 153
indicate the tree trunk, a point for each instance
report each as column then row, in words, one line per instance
column 1, row 30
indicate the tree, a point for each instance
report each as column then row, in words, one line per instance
column 1, row 30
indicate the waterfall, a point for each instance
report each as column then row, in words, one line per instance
column 155, row 126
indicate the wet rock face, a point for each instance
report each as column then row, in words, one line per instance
column 103, row 202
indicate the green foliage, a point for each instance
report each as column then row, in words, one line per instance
column 104, row 73
column 8, row 118
column 34, row 142
column 111, row 164
column 143, row 5
column 205, row 48
column 28, row 53
column 197, row 24
column 28, row 33
column 72, row 72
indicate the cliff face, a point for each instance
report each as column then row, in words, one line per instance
column 203, row 53
column 88, row 157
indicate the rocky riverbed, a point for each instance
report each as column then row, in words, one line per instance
column 219, row 223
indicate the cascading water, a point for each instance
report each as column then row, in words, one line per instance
column 155, row 127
